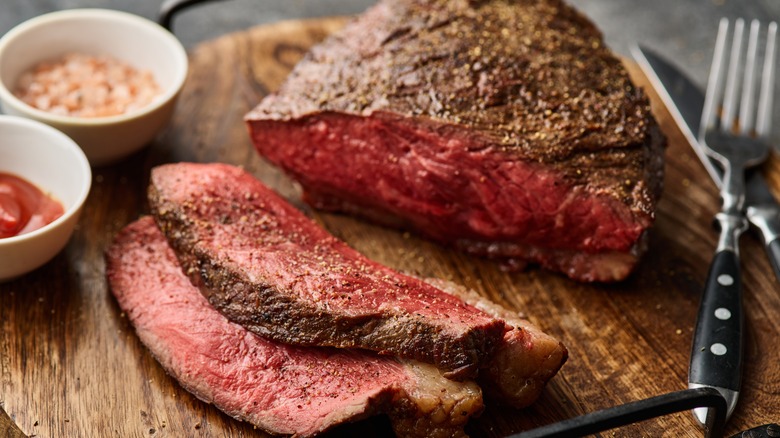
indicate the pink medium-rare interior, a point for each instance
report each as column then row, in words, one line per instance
column 444, row 182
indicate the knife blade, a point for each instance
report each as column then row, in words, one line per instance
column 685, row 101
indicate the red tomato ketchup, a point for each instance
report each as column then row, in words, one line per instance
column 24, row 207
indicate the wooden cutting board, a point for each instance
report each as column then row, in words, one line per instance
column 71, row 365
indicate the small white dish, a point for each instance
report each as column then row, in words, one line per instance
column 55, row 164
column 134, row 40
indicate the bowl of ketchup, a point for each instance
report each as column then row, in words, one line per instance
column 44, row 181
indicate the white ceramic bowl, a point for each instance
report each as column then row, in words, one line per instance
column 139, row 42
column 55, row 164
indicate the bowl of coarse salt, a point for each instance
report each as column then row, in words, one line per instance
column 108, row 79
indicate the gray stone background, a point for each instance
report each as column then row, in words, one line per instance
column 682, row 30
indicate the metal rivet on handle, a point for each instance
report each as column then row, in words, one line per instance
column 725, row 280
column 722, row 313
column 718, row 349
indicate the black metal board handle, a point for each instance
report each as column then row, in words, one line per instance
column 635, row 412
column 716, row 352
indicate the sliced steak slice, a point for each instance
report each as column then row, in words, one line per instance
column 523, row 362
column 504, row 128
column 269, row 268
column 280, row 388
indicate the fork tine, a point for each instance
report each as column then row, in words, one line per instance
column 746, row 110
column 715, row 81
column 735, row 62
column 764, row 117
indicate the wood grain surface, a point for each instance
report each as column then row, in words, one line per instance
column 71, row 365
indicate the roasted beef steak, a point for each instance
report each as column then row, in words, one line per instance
column 271, row 269
column 503, row 127
column 280, row 388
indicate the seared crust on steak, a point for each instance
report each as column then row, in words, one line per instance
column 267, row 267
column 503, row 127
column 525, row 360
column 281, row 389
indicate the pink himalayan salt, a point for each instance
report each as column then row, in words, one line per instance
column 86, row 86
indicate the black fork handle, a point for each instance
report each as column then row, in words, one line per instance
column 716, row 351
